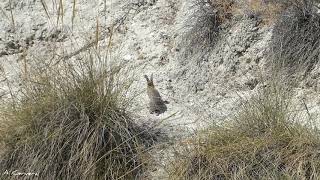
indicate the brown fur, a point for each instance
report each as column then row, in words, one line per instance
column 156, row 104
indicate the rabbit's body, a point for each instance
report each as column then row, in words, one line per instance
column 156, row 104
column 155, row 101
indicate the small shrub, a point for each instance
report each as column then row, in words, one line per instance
column 262, row 142
column 70, row 122
column 266, row 11
column 203, row 26
column 296, row 39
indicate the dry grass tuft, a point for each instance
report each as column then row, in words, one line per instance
column 70, row 122
column 295, row 39
column 203, row 26
column 262, row 142
column 224, row 9
column 266, row 11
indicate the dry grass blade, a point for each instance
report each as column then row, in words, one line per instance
column 5, row 14
column 73, row 13
column 11, row 15
column 45, row 7
column 97, row 34
column 60, row 12
column 110, row 37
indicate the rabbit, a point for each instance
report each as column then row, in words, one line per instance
column 156, row 104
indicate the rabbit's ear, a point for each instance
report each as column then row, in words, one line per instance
column 151, row 78
column 145, row 76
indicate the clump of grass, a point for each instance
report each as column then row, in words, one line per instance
column 70, row 122
column 262, row 142
column 265, row 11
column 295, row 39
column 203, row 27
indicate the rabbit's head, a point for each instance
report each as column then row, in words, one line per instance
column 149, row 81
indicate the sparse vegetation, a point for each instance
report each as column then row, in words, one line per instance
column 205, row 23
column 265, row 11
column 266, row 139
column 69, row 118
column 295, row 40
column 263, row 141
column 70, row 122
column 210, row 17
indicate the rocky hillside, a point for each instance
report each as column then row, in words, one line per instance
column 203, row 69
column 151, row 36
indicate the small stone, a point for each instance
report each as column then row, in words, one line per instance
column 127, row 57
column 11, row 45
column 3, row 53
column 252, row 83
